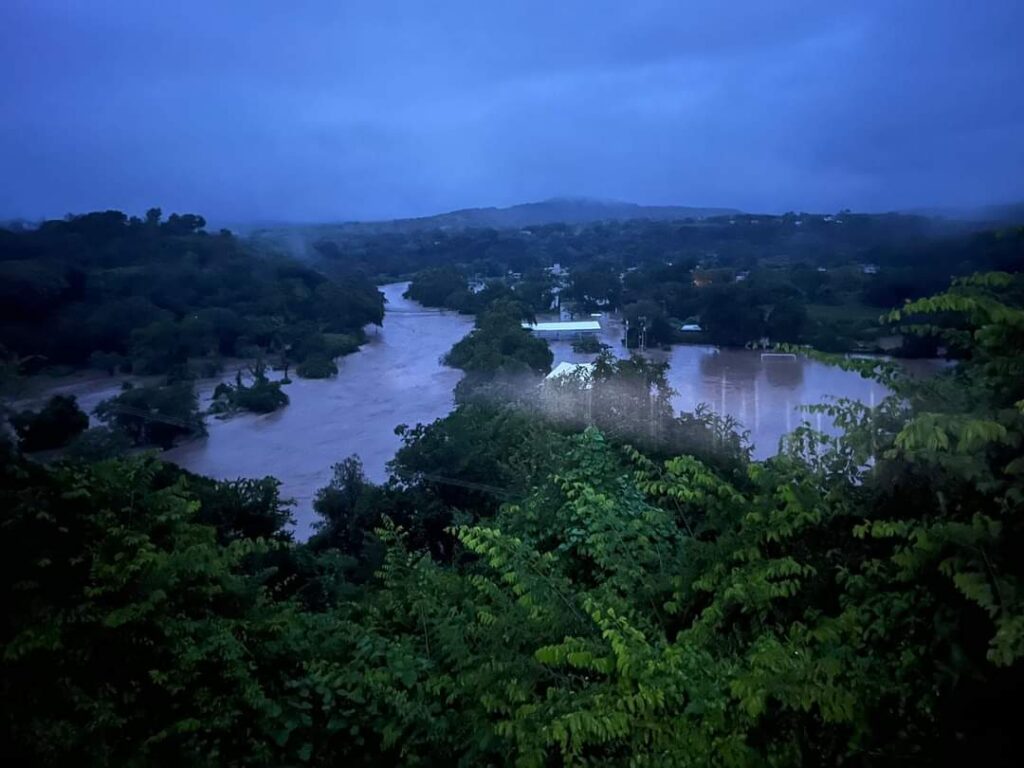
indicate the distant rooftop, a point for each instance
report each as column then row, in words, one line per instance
column 569, row 326
column 581, row 371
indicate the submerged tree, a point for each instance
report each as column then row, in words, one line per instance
column 260, row 396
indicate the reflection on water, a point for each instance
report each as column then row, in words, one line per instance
column 764, row 393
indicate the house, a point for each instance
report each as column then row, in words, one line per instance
column 565, row 371
column 567, row 392
column 571, row 328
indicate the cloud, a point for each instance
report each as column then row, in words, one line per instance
column 329, row 110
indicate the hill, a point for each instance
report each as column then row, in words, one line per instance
column 564, row 210
column 158, row 296
column 556, row 211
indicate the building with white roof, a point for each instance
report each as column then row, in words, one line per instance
column 569, row 327
column 566, row 370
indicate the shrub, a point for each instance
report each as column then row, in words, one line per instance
column 53, row 427
column 589, row 345
column 340, row 344
column 317, row 367
column 262, row 396
column 154, row 415
column 99, row 444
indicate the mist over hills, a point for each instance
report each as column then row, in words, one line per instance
column 559, row 210
column 566, row 210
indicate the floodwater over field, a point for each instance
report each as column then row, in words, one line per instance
column 397, row 378
column 764, row 392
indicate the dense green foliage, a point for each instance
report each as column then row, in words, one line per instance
column 317, row 367
column 438, row 287
column 154, row 415
column 448, row 288
column 99, row 443
column 499, row 350
column 53, row 426
column 260, row 396
column 155, row 296
column 520, row 593
column 796, row 278
column 588, row 345
column 737, row 241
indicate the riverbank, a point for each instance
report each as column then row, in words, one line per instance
column 397, row 378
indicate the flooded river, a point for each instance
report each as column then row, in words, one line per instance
column 397, row 378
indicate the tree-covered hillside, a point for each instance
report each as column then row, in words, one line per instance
column 154, row 296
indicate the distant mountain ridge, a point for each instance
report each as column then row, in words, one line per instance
column 563, row 210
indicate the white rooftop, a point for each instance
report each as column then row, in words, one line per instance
column 564, row 325
column 582, row 370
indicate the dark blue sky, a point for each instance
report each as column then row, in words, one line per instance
column 334, row 109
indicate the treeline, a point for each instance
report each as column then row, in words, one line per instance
column 797, row 278
column 521, row 593
column 739, row 242
column 450, row 288
column 837, row 307
column 155, row 296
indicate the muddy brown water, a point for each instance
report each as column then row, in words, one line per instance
column 397, row 378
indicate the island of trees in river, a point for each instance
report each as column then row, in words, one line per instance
column 605, row 583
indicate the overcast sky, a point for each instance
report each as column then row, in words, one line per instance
column 335, row 109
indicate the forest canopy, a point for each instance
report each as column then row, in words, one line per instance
column 816, row 279
column 158, row 296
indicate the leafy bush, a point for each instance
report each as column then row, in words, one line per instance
column 433, row 287
column 340, row 344
column 261, row 396
column 99, row 444
column 52, row 427
column 500, row 343
column 157, row 415
column 589, row 345
column 317, row 367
